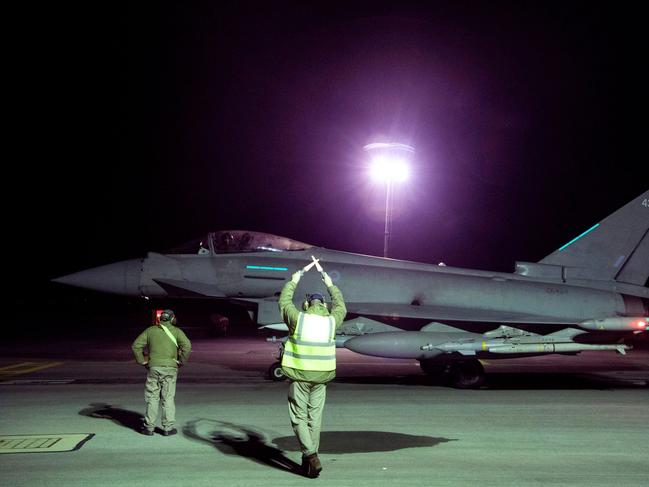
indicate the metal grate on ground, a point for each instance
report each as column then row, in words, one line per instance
column 43, row 443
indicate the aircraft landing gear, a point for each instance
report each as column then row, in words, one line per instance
column 467, row 374
column 432, row 368
column 439, row 372
column 275, row 372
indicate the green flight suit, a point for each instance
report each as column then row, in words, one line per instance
column 162, row 364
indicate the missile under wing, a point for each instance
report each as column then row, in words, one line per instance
column 590, row 294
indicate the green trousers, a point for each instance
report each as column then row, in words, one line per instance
column 305, row 405
column 160, row 392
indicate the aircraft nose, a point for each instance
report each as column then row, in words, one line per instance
column 117, row 278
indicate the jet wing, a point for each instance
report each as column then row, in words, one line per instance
column 446, row 314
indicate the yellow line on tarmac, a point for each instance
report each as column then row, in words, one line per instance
column 15, row 366
column 25, row 368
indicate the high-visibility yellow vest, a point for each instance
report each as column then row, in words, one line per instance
column 312, row 346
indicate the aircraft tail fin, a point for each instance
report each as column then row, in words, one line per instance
column 617, row 248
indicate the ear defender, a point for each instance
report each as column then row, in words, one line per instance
column 168, row 315
column 309, row 297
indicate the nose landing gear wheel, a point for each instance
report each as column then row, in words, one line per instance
column 275, row 372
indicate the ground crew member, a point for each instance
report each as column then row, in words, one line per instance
column 309, row 361
column 168, row 348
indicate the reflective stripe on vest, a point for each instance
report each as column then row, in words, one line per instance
column 313, row 344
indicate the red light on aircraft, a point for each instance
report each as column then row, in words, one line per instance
column 641, row 324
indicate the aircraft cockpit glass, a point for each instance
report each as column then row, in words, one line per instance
column 235, row 241
column 198, row 246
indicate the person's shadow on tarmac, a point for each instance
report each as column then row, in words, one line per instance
column 234, row 439
column 122, row 417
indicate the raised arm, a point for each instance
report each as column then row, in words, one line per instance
column 287, row 308
column 338, row 308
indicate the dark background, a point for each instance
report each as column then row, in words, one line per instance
column 136, row 126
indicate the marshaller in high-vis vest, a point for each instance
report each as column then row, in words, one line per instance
column 309, row 360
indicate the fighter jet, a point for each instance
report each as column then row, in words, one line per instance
column 590, row 294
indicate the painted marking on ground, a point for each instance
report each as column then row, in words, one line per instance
column 37, row 382
column 13, row 370
column 43, row 443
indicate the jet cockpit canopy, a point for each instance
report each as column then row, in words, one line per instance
column 238, row 241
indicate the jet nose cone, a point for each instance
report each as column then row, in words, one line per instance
column 117, row 278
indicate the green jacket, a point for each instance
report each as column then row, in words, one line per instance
column 290, row 314
column 162, row 351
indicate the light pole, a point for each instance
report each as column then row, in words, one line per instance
column 389, row 164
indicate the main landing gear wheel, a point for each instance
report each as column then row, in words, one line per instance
column 275, row 372
column 467, row 375
column 432, row 368
column 438, row 372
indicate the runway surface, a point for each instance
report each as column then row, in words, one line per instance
column 553, row 420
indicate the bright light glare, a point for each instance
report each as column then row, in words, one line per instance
column 387, row 169
column 389, row 146
column 642, row 324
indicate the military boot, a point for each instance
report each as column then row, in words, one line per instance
column 311, row 465
column 305, row 466
column 316, row 463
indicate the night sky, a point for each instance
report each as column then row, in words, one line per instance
column 138, row 126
